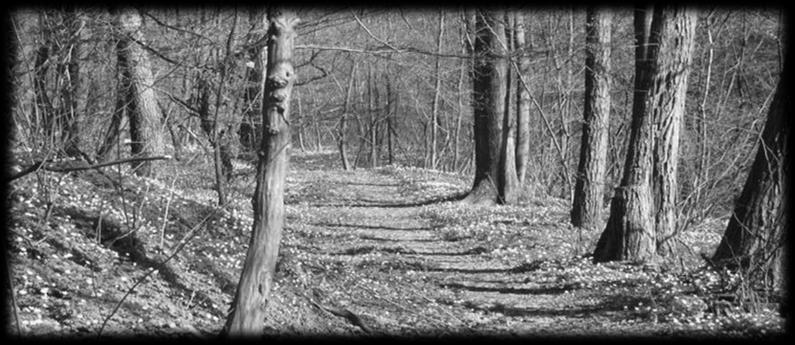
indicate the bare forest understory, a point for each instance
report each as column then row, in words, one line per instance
column 365, row 252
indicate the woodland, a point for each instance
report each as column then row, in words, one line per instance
column 436, row 171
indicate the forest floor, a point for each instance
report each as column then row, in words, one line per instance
column 364, row 252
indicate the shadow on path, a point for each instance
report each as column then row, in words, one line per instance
column 380, row 203
column 551, row 290
column 364, row 226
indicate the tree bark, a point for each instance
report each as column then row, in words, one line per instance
column 436, row 90
column 489, row 89
column 146, row 132
column 629, row 234
column 73, row 93
column 248, row 307
column 346, row 109
column 755, row 239
column 589, row 190
column 523, row 100
column 509, row 181
column 250, row 126
column 299, row 122
column 391, row 110
column 42, row 104
column 372, row 102
column 674, row 60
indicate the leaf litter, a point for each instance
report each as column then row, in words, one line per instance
column 363, row 252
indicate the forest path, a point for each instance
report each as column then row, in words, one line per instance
column 406, row 273
column 373, row 247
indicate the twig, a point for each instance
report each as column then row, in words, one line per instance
column 41, row 165
column 165, row 213
column 341, row 312
column 160, row 265
column 385, row 43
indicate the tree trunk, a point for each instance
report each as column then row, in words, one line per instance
column 248, row 307
column 372, row 102
column 250, row 126
column 112, row 133
column 436, row 90
column 675, row 56
column 391, row 110
column 146, row 128
column 589, row 190
column 42, row 105
column 523, row 96
column 345, row 111
column 489, row 89
column 74, row 97
column 629, row 234
column 755, row 239
column 318, row 136
column 509, row 182
column 299, row 122
column 463, row 68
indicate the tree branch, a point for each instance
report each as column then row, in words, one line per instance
column 66, row 168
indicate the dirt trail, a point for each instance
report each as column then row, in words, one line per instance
column 365, row 220
column 367, row 251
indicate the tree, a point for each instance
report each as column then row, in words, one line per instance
column 346, row 109
column 586, row 209
column 43, row 105
column 436, row 91
column 664, row 46
column 667, row 123
column 755, row 237
column 509, row 181
column 137, row 92
column 489, row 88
column 255, row 72
column 73, row 92
column 253, row 290
column 523, row 100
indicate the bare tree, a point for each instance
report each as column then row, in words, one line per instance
column 346, row 109
column 250, row 126
column 756, row 235
column 436, row 90
column 488, row 89
column 73, row 94
column 664, row 43
column 523, row 99
column 589, row 190
column 509, row 181
column 676, row 55
column 248, row 307
column 137, row 89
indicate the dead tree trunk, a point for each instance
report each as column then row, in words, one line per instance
column 248, row 307
column 586, row 210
